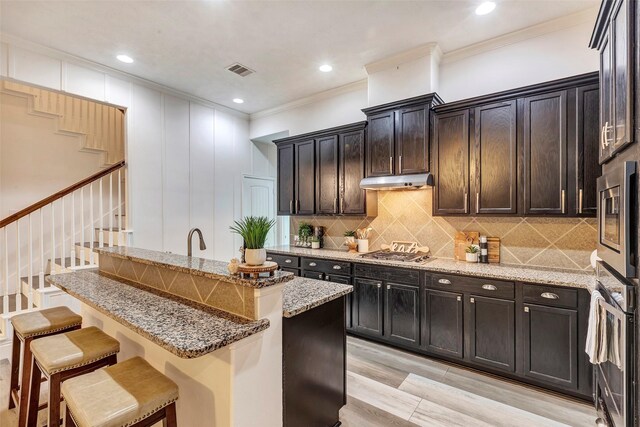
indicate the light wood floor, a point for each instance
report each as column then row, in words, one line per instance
column 387, row 387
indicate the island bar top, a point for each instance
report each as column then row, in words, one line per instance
column 184, row 329
column 216, row 270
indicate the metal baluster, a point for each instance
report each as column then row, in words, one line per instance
column 30, row 254
column 110, row 210
column 101, row 213
column 73, row 229
column 18, row 278
column 41, row 275
column 91, row 224
column 5, row 300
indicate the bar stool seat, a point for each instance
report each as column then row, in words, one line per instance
column 129, row 393
column 64, row 356
column 26, row 328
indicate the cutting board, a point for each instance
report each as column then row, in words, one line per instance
column 493, row 244
column 463, row 239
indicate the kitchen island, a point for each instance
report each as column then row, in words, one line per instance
column 219, row 337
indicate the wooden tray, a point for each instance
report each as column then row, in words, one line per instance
column 254, row 271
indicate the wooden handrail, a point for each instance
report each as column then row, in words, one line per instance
column 60, row 194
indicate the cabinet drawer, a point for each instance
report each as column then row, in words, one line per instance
column 291, row 270
column 326, row 266
column 284, row 260
column 473, row 285
column 397, row 275
column 550, row 296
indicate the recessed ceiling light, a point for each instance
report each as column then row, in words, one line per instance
column 325, row 68
column 238, row 100
column 125, row 58
column 486, row 7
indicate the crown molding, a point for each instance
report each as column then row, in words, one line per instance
column 330, row 93
column 567, row 21
column 12, row 41
column 429, row 49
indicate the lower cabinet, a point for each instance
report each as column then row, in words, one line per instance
column 550, row 337
column 402, row 313
column 368, row 307
column 443, row 330
column 492, row 336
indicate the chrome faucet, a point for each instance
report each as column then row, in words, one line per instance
column 190, row 241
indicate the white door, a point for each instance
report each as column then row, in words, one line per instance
column 258, row 199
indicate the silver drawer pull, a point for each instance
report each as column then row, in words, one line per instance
column 489, row 287
column 269, row 258
column 472, row 300
column 288, row 261
column 337, row 267
column 526, row 309
column 459, row 298
column 312, row 264
column 320, row 276
column 444, row 281
column 388, row 287
column 549, row 295
column 379, row 285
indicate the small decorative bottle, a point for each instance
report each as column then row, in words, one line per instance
column 484, row 250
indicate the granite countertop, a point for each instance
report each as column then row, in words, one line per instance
column 186, row 330
column 302, row 294
column 574, row 279
column 192, row 265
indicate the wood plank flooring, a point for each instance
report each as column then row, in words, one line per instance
column 388, row 387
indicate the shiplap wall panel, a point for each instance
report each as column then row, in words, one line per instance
column 4, row 60
column 84, row 82
column 117, row 91
column 227, row 169
column 175, row 200
column 35, row 68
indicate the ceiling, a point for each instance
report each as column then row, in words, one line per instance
column 187, row 45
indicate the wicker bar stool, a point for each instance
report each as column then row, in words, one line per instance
column 64, row 356
column 26, row 328
column 131, row 393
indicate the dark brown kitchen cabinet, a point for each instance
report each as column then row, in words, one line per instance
column 412, row 140
column 380, row 144
column 286, row 186
column 368, row 309
column 451, row 163
column 495, row 159
column 352, row 199
column 613, row 36
column 327, row 175
column 545, row 154
column 443, row 330
column 402, row 313
column 550, row 336
column 588, row 169
column 491, row 332
column 305, row 178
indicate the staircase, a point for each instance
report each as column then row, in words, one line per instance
column 57, row 235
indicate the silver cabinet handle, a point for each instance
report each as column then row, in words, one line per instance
column 269, row 258
column 391, row 164
column 526, row 309
column 563, row 200
column 320, row 276
column 580, row 201
column 549, row 295
column 472, row 300
column 288, row 261
column 341, row 204
column 477, row 202
column 335, row 205
column 444, row 281
column 458, row 298
column 466, row 203
column 602, row 143
column 388, row 287
column 606, row 132
column 378, row 285
column 291, row 206
column 327, row 278
column 337, row 267
column 312, row 264
column 489, row 287
column 400, row 164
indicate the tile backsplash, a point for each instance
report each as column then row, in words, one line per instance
column 406, row 215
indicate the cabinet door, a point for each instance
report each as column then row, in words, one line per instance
column 622, row 61
column 368, row 307
column 305, row 178
column 451, row 163
column 443, row 329
column 606, row 100
column 491, row 332
column 286, row 196
column 587, row 166
column 402, row 314
column 380, row 144
column 327, row 175
column 412, row 142
column 353, row 199
column 550, row 336
column 545, row 154
column 495, row 159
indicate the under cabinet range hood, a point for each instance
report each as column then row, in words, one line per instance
column 397, row 182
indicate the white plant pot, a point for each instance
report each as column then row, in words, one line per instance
column 363, row 245
column 315, row 245
column 255, row 256
column 472, row 257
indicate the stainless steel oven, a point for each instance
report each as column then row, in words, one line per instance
column 615, row 376
column 616, row 201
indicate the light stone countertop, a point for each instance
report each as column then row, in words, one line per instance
column 192, row 265
column 555, row 277
column 302, row 294
column 188, row 330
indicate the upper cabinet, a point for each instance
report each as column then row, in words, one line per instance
column 319, row 173
column 613, row 36
column 529, row 151
column 398, row 136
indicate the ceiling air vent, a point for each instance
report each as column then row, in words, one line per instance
column 240, row 70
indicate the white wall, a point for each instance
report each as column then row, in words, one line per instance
column 185, row 157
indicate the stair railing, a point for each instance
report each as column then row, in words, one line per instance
column 57, row 237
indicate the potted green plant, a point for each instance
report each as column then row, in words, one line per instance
column 254, row 230
column 349, row 236
column 472, row 252
column 315, row 242
column 305, row 230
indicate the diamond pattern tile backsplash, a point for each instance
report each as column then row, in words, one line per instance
column 406, row 215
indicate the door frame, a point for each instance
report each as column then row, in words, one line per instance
column 282, row 226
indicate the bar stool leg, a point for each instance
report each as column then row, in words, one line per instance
column 15, row 368
column 170, row 416
column 27, row 362
column 34, row 396
column 68, row 420
column 54, row 400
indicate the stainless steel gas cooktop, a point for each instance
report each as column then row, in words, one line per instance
column 388, row 255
